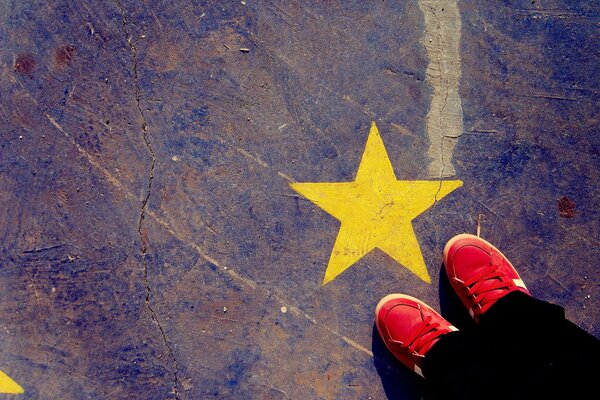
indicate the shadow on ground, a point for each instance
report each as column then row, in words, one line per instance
column 398, row 381
column 451, row 307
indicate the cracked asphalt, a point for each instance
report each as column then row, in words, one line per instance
column 150, row 244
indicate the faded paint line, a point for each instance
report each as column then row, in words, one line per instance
column 296, row 311
column 249, row 283
column 262, row 163
column 111, row 178
column 201, row 252
column 251, row 156
column 445, row 116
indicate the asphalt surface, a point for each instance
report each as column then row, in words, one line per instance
column 151, row 246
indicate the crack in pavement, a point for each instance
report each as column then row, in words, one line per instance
column 148, row 144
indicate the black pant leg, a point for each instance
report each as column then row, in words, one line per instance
column 523, row 348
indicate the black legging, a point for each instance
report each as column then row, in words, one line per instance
column 523, row 348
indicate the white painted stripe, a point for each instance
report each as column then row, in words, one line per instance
column 445, row 117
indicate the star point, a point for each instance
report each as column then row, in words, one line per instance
column 376, row 211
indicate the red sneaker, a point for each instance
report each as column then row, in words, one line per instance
column 479, row 273
column 409, row 328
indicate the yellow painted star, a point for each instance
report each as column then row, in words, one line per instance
column 7, row 385
column 376, row 211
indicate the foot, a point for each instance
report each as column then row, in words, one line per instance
column 479, row 273
column 409, row 328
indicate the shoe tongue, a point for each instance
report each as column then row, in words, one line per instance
column 406, row 319
column 473, row 260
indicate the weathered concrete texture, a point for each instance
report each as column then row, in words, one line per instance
column 150, row 244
